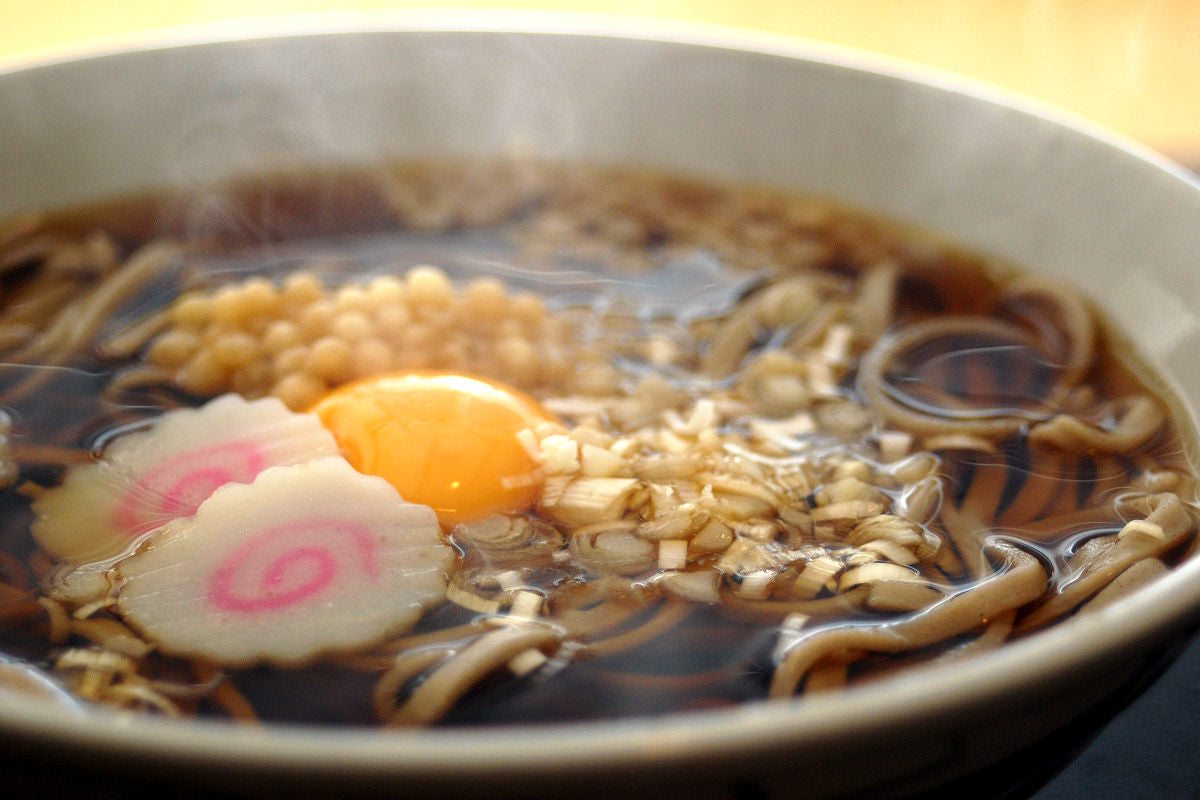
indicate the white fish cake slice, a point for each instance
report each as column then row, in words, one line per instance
column 307, row 559
column 147, row 478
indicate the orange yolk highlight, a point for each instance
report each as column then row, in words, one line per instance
column 443, row 440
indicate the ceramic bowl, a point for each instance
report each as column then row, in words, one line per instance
column 999, row 175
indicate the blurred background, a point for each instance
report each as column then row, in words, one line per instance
column 1129, row 65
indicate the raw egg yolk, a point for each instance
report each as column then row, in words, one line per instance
column 443, row 440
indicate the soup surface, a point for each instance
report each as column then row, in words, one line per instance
column 467, row 443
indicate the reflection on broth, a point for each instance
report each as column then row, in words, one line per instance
column 586, row 443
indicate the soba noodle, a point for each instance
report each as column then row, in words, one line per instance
column 776, row 446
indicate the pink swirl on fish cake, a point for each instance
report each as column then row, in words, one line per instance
column 294, row 574
column 177, row 486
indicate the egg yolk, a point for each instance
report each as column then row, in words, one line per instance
column 443, row 440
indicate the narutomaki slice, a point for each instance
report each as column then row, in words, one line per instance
column 145, row 479
column 307, row 559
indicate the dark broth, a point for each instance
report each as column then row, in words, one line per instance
column 652, row 262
